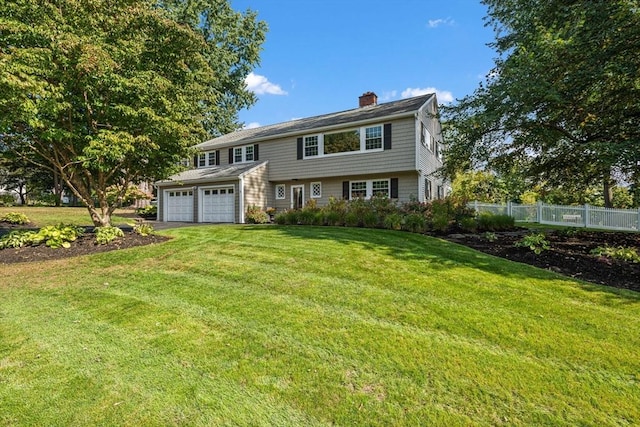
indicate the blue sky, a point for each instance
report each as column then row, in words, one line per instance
column 320, row 55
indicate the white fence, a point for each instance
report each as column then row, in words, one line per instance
column 576, row 216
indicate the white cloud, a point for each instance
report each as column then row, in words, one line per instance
column 251, row 125
column 444, row 96
column 435, row 23
column 388, row 95
column 260, row 85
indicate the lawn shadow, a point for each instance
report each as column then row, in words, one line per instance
column 440, row 254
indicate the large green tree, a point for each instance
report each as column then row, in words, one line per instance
column 562, row 101
column 113, row 92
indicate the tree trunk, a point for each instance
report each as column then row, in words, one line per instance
column 608, row 192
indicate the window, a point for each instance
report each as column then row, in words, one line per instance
column 237, row 155
column 358, row 140
column 367, row 189
column 380, row 188
column 311, row 146
column 280, row 192
column 316, row 190
column 427, row 189
column 373, row 138
column 206, row 159
column 440, row 190
column 247, row 153
column 425, row 136
column 342, row 142
column 432, row 144
column 358, row 190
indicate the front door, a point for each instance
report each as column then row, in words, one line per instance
column 297, row 196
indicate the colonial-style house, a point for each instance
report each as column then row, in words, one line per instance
column 390, row 148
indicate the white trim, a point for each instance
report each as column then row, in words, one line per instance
column 284, row 192
column 207, row 163
column 241, row 199
column 311, row 195
column 362, row 130
column 369, row 186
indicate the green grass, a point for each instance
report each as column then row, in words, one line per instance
column 265, row 325
column 41, row 216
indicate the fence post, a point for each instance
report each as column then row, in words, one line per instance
column 509, row 209
column 587, row 214
column 475, row 206
column 539, row 212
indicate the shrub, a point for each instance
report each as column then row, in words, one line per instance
column 291, row 217
column 333, row 218
column 626, row 254
column 489, row 236
column 536, row 242
column 107, row 234
column 143, row 229
column 370, row 219
column 148, row 212
column 468, row 225
column 414, row 223
column 351, row 219
column 15, row 218
column 392, row 221
column 307, row 216
column 280, row 218
column 17, row 239
column 7, row 200
column 57, row 236
column 491, row 222
column 256, row 215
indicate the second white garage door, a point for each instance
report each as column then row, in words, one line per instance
column 218, row 204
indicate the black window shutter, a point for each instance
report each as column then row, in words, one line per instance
column 195, row 161
column 394, row 188
column 217, row 157
column 230, row 155
column 255, row 152
column 387, row 136
column 299, row 148
column 345, row 190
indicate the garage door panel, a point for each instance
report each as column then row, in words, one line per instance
column 218, row 205
column 179, row 205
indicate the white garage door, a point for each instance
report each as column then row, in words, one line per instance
column 179, row 205
column 218, row 205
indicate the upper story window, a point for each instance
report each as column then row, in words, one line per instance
column 373, row 138
column 246, row 153
column 206, row 159
column 367, row 138
column 311, row 146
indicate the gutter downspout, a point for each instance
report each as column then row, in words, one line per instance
column 241, row 199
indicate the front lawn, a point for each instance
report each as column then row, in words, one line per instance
column 50, row 215
column 265, row 325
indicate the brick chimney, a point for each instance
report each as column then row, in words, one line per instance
column 368, row 98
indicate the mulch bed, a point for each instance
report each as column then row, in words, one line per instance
column 83, row 245
column 568, row 255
